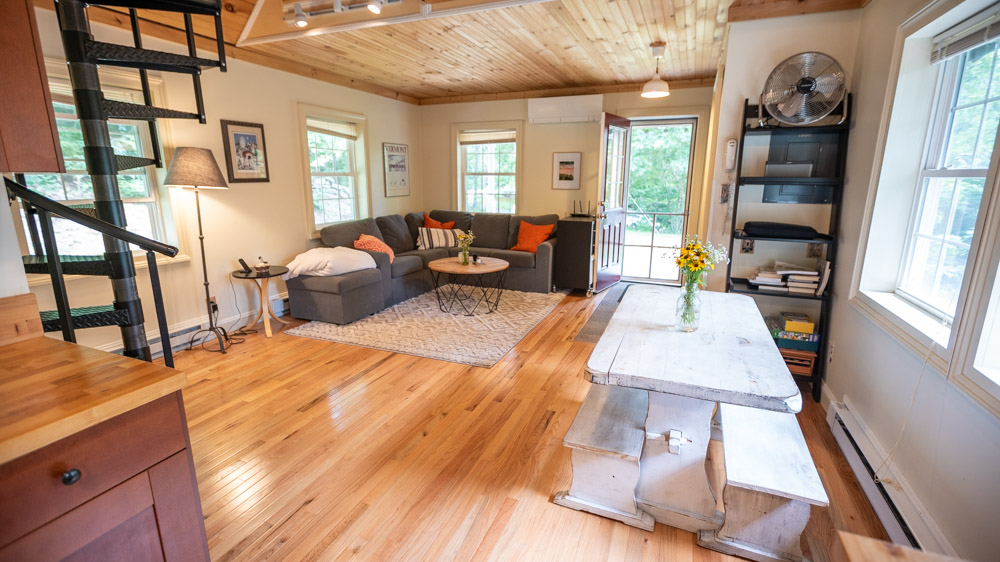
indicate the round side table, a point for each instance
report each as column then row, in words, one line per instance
column 262, row 279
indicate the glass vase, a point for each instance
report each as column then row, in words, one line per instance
column 688, row 312
column 463, row 256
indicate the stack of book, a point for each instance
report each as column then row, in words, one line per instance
column 768, row 280
column 797, row 340
column 787, row 278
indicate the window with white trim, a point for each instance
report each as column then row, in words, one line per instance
column 334, row 163
column 488, row 170
column 932, row 256
column 950, row 184
column 137, row 187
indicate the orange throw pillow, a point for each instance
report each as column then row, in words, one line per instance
column 431, row 223
column 529, row 236
column 369, row 242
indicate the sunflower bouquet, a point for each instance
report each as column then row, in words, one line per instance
column 695, row 261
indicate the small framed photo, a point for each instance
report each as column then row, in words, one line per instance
column 397, row 169
column 566, row 170
column 246, row 153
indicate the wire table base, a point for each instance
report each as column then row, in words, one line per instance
column 454, row 289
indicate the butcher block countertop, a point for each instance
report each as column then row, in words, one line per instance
column 50, row 389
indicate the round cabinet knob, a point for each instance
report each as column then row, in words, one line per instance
column 71, row 476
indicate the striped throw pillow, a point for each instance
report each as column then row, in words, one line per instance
column 428, row 238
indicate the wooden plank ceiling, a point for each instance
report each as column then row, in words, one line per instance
column 561, row 47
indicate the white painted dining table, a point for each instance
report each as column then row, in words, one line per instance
column 731, row 358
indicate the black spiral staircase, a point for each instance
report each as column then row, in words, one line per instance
column 107, row 215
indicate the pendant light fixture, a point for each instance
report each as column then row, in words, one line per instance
column 657, row 87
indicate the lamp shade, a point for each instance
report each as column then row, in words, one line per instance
column 655, row 88
column 194, row 168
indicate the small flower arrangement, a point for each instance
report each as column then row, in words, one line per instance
column 695, row 261
column 464, row 241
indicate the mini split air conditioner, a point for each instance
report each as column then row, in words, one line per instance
column 565, row 109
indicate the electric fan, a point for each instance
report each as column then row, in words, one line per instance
column 803, row 88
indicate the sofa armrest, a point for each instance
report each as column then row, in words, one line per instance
column 385, row 268
column 545, row 261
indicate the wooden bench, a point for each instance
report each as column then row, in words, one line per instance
column 606, row 439
column 770, row 483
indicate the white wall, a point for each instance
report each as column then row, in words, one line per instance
column 540, row 142
column 754, row 49
column 950, row 452
column 12, row 278
column 250, row 219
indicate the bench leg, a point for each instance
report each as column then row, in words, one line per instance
column 674, row 484
column 759, row 526
column 605, row 485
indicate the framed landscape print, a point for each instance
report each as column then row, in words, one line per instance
column 566, row 170
column 397, row 169
column 246, row 154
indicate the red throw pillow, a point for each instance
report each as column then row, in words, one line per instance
column 369, row 242
column 529, row 236
column 431, row 223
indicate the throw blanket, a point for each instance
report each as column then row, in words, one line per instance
column 329, row 261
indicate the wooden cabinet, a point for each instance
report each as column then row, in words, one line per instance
column 29, row 141
column 574, row 268
column 121, row 490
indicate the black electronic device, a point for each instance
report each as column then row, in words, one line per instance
column 580, row 213
column 246, row 268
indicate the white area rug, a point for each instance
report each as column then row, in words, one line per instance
column 418, row 327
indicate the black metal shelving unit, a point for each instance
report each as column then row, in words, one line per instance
column 828, row 173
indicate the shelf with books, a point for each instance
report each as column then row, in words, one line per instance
column 744, row 286
column 817, row 151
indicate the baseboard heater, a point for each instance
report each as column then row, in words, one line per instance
column 895, row 525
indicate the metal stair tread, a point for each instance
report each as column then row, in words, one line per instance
column 86, row 317
column 71, row 265
column 123, row 162
column 125, row 110
column 133, row 57
column 205, row 7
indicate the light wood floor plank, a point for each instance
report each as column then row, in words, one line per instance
column 308, row 450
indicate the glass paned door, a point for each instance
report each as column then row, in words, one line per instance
column 657, row 197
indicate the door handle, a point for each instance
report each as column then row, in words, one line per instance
column 602, row 216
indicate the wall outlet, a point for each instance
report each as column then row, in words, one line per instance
column 746, row 246
column 829, row 354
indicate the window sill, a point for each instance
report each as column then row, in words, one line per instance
column 38, row 279
column 907, row 323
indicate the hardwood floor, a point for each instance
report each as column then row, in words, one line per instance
column 308, row 450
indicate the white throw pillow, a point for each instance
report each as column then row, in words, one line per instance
column 329, row 261
column 428, row 238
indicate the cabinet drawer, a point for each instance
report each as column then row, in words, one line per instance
column 32, row 492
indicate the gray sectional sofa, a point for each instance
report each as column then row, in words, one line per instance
column 341, row 299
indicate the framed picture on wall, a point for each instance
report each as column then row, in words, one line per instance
column 397, row 169
column 246, row 154
column 566, row 170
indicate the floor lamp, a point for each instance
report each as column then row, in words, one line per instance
column 195, row 168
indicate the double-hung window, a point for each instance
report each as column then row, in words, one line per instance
column 488, row 170
column 334, row 161
column 951, row 181
column 137, row 187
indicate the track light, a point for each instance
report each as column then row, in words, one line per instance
column 375, row 6
column 657, row 87
column 300, row 19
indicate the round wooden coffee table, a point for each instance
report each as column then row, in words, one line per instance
column 468, row 285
